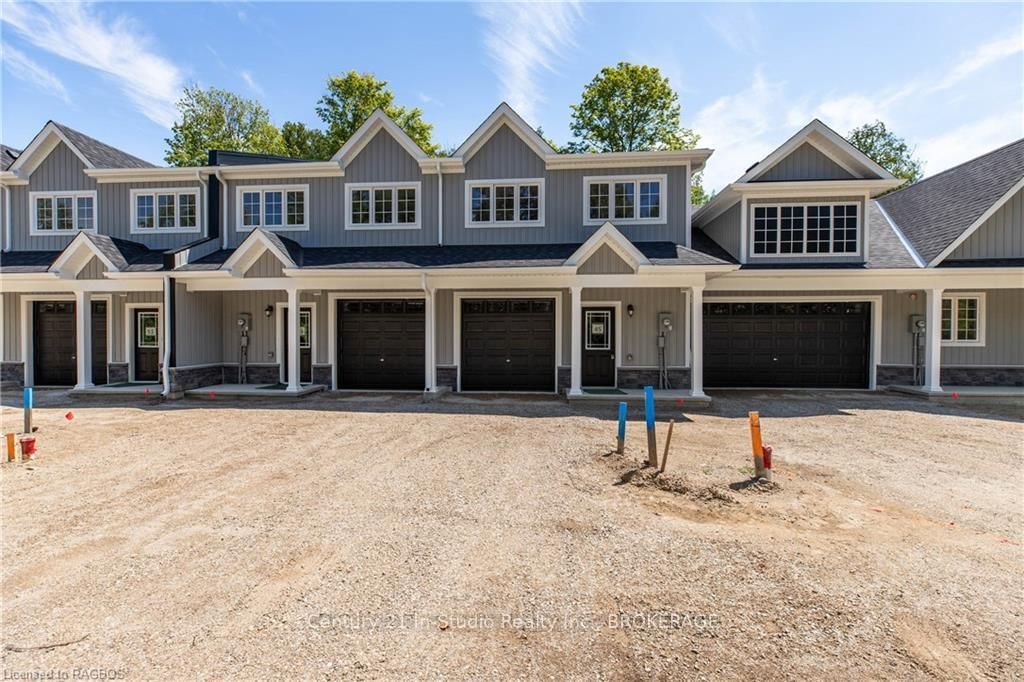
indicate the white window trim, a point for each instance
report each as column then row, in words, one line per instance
column 156, row 229
column 394, row 224
column 751, row 207
column 492, row 223
column 34, row 230
column 262, row 189
column 980, row 342
column 636, row 180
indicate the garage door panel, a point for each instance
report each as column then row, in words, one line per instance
column 381, row 345
column 788, row 344
column 508, row 345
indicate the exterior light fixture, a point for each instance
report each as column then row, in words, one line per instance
column 630, row 310
column 268, row 311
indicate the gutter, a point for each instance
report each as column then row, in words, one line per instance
column 223, row 209
column 205, row 201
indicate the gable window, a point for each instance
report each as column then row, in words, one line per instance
column 963, row 320
column 505, row 203
column 805, row 229
column 62, row 212
column 155, row 210
column 382, row 206
column 636, row 200
column 272, row 208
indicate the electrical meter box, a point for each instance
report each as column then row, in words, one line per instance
column 664, row 322
column 916, row 324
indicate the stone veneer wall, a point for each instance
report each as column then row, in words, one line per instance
column 185, row 379
column 894, row 375
column 117, row 373
column 564, row 379
column 447, row 375
column 982, row 376
column 12, row 373
column 639, row 378
column 322, row 374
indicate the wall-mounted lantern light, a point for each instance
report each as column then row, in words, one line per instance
column 268, row 311
column 630, row 310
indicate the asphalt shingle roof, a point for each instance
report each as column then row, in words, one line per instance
column 127, row 256
column 933, row 212
column 101, row 154
column 8, row 155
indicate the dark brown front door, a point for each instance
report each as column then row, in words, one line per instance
column 53, row 343
column 786, row 344
column 508, row 345
column 99, row 342
column 381, row 344
column 305, row 346
column 599, row 347
column 147, row 344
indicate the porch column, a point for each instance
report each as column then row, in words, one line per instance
column 83, row 341
column 294, row 353
column 576, row 363
column 933, row 339
column 697, row 341
column 429, row 331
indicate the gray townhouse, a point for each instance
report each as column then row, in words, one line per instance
column 506, row 267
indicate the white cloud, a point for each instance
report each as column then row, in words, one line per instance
column 115, row 46
column 970, row 140
column 22, row 67
column 428, row 99
column 980, row 57
column 523, row 39
column 251, row 82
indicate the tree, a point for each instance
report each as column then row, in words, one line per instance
column 351, row 98
column 302, row 142
column 887, row 150
column 631, row 108
column 218, row 119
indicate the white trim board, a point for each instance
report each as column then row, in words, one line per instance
column 133, row 227
column 372, row 226
column 263, row 189
column 458, row 296
column 279, row 338
column 516, row 183
column 610, row 180
column 27, row 328
column 129, row 328
column 617, row 313
column 74, row 195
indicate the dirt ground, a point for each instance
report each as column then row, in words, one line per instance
column 382, row 537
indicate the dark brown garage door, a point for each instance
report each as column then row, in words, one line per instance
column 53, row 334
column 381, row 345
column 786, row 345
column 508, row 345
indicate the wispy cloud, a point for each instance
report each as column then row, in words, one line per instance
column 970, row 140
column 980, row 57
column 738, row 26
column 251, row 82
column 522, row 40
column 116, row 46
column 22, row 67
column 428, row 99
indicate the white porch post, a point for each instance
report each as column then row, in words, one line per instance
column 429, row 327
column 83, row 345
column 933, row 339
column 576, row 319
column 697, row 341
column 294, row 353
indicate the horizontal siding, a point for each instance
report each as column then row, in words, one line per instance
column 640, row 332
column 805, row 163
column 1001, row 236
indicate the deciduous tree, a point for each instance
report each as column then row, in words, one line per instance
column 218, row 119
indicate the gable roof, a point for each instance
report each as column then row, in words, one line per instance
column 92, row 152
column 936, row 214
column 503, row 115
column 361, row 137
column 117, row 255
column 8, row 155
column 258, row 242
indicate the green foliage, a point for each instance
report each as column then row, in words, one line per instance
column 218, row 119
column 351, row 98
column 887, row 150
column 303, row 142
column 631, row 108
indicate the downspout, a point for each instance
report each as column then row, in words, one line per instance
column 204, row 202
column 440, row 205
column 7, row 218
column 168, row 335
column 223, row 209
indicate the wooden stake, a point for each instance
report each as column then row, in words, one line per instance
column 668, row 441
column 755, row 444
column 10, row 447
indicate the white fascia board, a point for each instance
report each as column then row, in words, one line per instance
column 977, row 223
column 75, row 247
column 902, row 237
column 719, row 204
column 803, row 187
column 695, row 157
column 251, row 248
column 10, row 179
column 41, row 145
column 305, row 169
column 619, row 243
column 108, row 175
column 881, row 279
column 377, row 121
column 503, row 115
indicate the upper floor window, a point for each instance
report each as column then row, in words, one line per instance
column 382, row 205
column 805, row 229
column 963, row 320
column 155, row 210
column 62, row 212
column 505, row 203
column 639, row 199
column 272, row 208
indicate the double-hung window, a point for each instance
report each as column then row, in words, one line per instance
column 165, row 210
column 505, row 203
column 62, row 212
column 383, row 206
column 272, row 208
column 805, row 229
column 624, row 200
column 963, row 320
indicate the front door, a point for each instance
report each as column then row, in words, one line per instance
column 99, row 342
column 305, row 346
column 598, row 347
column 54, row 343
column 147, row 344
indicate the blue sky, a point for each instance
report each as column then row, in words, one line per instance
column 948, row 77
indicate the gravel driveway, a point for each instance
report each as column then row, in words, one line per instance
column 369, row 537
